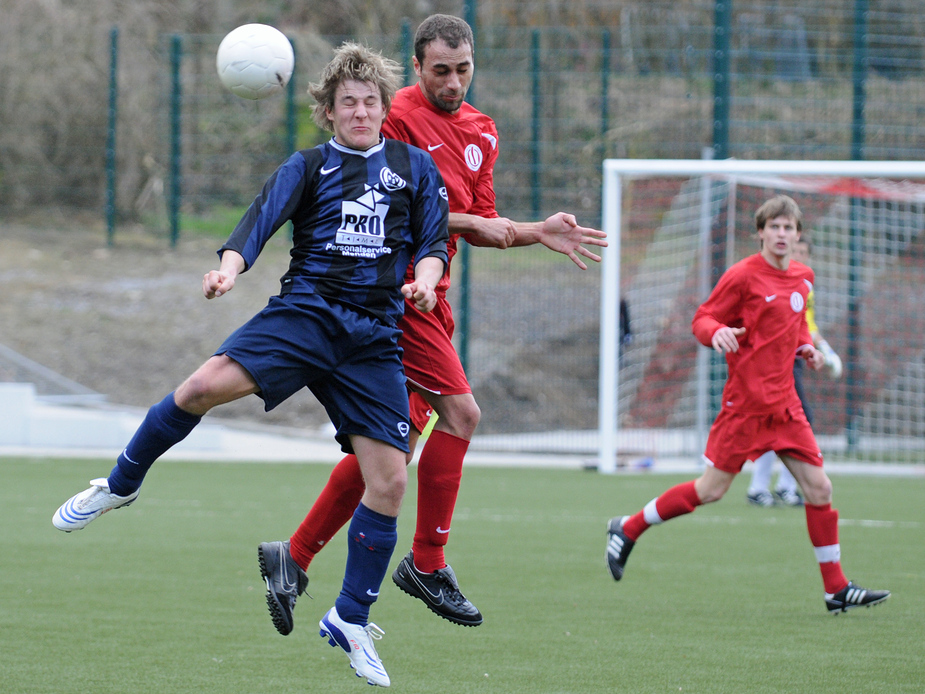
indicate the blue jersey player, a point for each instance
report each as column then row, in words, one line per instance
column 361, row 207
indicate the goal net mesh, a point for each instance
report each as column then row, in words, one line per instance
column 678, row 234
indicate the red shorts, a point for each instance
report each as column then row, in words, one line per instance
column 430, row 359
column 736, row 437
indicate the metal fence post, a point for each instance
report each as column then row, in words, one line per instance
column 855, row 231
column 111, row 136
column 605, row 90
column 721, row 29
column 462, row 255
column 176, row 53
column 407, row 50
column 535, row 123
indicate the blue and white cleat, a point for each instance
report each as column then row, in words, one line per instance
column 81, row 509
column 357, row 642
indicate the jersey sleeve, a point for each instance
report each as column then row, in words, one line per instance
column 808, row 325
column 719, row 309
column 430, row 215
column 811, row 314
column 272, row 208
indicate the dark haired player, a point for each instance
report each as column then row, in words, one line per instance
column 434, row 116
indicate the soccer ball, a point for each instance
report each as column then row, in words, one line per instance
column 255, row 61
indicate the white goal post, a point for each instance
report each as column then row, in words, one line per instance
column 891, row 210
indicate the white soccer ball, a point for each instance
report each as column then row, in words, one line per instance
column 255, row 61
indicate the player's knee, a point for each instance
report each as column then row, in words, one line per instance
column 710, row 489
column 388, row 487
column 710, row 495
column 466, row 419
column 818, row 490
column 196, row 393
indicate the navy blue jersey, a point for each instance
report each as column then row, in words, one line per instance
column 358, row 219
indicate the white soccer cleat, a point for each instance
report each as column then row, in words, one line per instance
column 357, row 641
column 81, row 509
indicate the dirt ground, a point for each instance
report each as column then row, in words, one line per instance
column 130, row 321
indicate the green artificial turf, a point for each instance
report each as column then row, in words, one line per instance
column 166, row 596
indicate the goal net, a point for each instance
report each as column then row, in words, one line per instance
column 675, row 226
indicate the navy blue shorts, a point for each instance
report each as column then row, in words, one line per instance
column 350, row 361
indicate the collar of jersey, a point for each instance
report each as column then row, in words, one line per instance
column 363, row 153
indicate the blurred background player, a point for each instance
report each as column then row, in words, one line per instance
column 363, row 208
column 756, row 317
column 434, row 116
column 787, row 491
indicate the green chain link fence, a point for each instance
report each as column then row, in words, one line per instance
column 769, row 80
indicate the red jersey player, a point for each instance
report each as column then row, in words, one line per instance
column 433, row 116
column 756, row 316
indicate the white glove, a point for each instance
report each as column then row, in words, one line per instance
column 832, row 361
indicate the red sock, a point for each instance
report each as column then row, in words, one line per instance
column 439, row 476
column 330, row 512
column 677, row 501
column 822, row 522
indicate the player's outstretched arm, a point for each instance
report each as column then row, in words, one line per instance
column 562, row 233
column 427, row 272
column 218, row 282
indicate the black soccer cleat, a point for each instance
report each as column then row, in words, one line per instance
column 853, row 596
column 285, row 582
column 439, row 591
column 619, row 547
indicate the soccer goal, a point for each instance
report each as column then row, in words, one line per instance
column 674, row 226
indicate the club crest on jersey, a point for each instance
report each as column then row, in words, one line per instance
column 473, row 156
column 362, row 221
column 391, row 180
column 796, row 302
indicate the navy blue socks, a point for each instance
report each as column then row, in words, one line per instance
column 164, row 426
column 371, row 540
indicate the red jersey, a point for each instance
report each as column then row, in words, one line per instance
column 771, row 305
column 463, row 144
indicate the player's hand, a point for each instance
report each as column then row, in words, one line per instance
column 421, row 294
column 221, row 281
column 561, row 233
column 832, row 360
column 726, row 339
column 814, row 357
column 215, row 283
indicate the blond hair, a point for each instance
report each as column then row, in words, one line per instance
column 353, row 61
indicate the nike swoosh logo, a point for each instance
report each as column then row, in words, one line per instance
column 442, row 531
column 288, row 583
column 371, row 593
column 437, row 597
column 431, row 148
column 771, row 298
column 325, row 172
